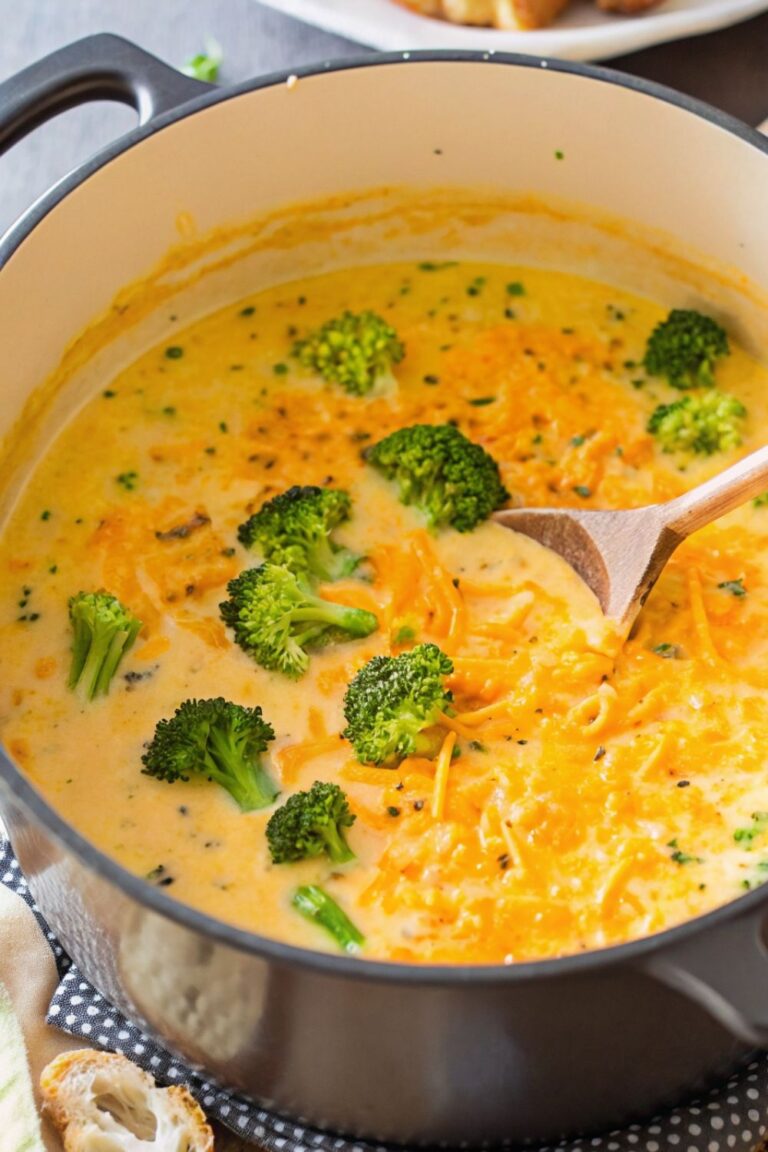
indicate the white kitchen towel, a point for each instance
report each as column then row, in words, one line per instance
column 19, row 1123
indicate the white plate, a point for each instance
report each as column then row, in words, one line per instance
column 583, row 33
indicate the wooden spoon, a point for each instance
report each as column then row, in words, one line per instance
column 620, row 555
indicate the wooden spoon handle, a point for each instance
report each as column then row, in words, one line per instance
column 721, row 494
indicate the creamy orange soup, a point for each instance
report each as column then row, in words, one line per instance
column 602, row 790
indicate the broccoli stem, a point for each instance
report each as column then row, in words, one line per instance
column 82, row 636
column 97, row 650
column 112, row 656
column 314, row 904
column 385, row 382
column 332, row 563
column 245, row 779
column 320, row 613
column 427, row 743
column 337, row 847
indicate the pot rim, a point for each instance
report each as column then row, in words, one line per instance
column 326, row 963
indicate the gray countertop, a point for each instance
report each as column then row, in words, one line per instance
column 728, row 68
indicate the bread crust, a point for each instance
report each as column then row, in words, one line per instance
column 626, row 7
column 502, row 14
column 513, row 14
column 72, row 1084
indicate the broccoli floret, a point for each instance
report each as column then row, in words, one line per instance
column 706, row 422
column 450, row 479
column 390, row 702
column 277, row 618
column 316, row 905
column 217, row 739
column 355, row 350
column 310, row 824
column 103, row 630
column 294, row 529
column 684, row 348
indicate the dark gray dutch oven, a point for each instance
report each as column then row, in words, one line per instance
column 415, row 1055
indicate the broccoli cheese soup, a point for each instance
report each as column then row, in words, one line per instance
column 262, row 642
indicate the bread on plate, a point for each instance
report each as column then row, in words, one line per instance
column 516, row 15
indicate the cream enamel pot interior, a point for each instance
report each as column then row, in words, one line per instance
column 402, row 1054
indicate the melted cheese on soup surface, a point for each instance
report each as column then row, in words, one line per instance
column 602, row 791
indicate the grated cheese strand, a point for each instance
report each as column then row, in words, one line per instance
column 441, row 776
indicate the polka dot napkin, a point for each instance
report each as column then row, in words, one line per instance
column 734, row 1117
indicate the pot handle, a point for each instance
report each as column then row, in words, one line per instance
column 725, row 970
column 101, row 67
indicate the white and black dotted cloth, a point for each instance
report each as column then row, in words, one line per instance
column 734, row 1117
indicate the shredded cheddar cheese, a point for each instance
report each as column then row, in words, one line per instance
column 442, row 767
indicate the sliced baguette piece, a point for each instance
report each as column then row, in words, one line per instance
column 101, row 1102
column 506, row 14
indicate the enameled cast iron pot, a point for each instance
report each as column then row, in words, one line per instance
column 411, row 1055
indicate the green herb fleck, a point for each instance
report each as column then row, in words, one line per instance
column 760, row 501
column 436, row 265
column 223, row 426
column 431, row 380
column 108, row 393
column 680, row 857
column 169, row 410
column 559, row 155
column 475, row 287
column 392, row 811
column 174, row 352
column 46, row 514
column 482, row 401
column 733, row 587
column 205, row 65
column 667, row 651
column 577, row 441
column 280, row 369
column 516, row 288
column 746, row 836
column 128, row 480
column 583, row 491
column 405, row 634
